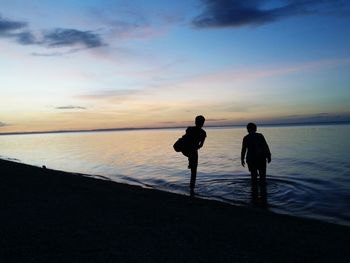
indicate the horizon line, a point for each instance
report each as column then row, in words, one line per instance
column 176, row 127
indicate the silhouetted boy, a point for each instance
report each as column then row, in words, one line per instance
column 258, row 153
column 195, row 137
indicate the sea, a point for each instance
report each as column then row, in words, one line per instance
column 309, row 175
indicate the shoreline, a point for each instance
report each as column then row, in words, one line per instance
column 54, row 216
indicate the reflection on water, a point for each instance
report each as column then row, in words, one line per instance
column 309, row 175
column 259, row 195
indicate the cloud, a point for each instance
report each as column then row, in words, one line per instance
column 2, row 124
column 7, row 26
column 237, row 13
column 16, row 30
column 214, row 120
column 61, row 37
column 25, row 38
column 115, row 96
column 70, row 107
column 310, row 118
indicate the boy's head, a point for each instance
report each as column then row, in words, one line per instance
column 251, row 127
column 199, row 121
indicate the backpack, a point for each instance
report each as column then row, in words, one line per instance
column 179, row 145
column 182, row 144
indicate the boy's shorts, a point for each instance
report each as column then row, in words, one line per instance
column 257, row 165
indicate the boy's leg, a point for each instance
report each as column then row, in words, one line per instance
column 262, row 172
column 187, row 154
column 193, row 163
column 253, row 171
column 193, row 179
column 255, row 192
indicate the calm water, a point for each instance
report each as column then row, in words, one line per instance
column 309, row 175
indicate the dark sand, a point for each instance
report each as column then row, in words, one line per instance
column 51, row 216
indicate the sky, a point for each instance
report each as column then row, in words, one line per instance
column 99, row 64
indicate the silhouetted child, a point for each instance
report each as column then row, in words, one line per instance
column 195, row 137
column 257, row 155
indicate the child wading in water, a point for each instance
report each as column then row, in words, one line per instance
column 195, row 137
column 257, row 153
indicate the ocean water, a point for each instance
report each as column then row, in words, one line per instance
column 309, row 175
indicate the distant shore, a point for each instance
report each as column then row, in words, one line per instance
column 179, row 127
column 54, row 216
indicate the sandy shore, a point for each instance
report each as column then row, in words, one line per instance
column 52, row 216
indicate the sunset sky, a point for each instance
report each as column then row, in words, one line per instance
column 67, row 64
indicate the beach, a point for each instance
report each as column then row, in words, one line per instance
column 53, row 216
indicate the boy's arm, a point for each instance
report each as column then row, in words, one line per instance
column 201, row 143
column 267, row 150
column 243, row 151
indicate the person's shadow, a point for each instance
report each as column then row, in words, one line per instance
column 258, row 194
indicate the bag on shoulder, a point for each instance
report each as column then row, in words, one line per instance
column 179, row 145
column 182, row 144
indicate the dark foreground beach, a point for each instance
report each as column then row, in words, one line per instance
column 53, row 216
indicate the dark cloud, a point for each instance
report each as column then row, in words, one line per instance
column 312, row 118
column 236, row 13
column 16, row 30
column 214, row 120
column 8, row 26
column 25, row 38
column 70, row 107
column 61, row 37
column 73, row 39
column 318, row 115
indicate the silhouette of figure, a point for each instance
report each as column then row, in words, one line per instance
column 254, row 144
column 195, row 137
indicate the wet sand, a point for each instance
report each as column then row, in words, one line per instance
column 53, row 216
